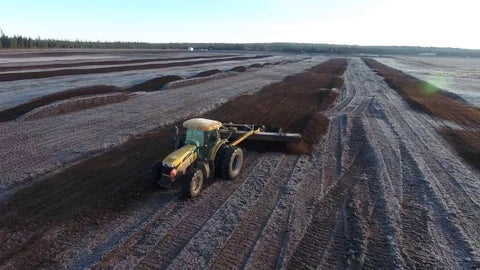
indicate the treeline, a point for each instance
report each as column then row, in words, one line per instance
column 20, row 42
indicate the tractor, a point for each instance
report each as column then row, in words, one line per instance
column 208, row 148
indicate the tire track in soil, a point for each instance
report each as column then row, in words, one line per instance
column 443, row 192
column 138, row 246
column 422, row 211
column 200, row 250
column 177, row 238
column 415, row 241
column 450, row 191
column 325, row 235
column 407, row 190
column 240, row 244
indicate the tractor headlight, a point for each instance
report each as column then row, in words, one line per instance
column 173, row 173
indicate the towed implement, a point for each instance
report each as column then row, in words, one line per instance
column 209, row 148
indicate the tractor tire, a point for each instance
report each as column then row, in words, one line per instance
column 194, row 183
column 219, row 159
column 155, row 173
column 232, row 162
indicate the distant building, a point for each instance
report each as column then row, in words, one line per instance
column 427, row 53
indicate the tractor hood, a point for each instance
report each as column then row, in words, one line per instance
column 178, row 156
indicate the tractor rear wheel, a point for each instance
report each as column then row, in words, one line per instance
column 232, row 162
column 219, row 159
column 194, row 183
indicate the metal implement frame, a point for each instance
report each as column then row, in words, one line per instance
column 241, row 132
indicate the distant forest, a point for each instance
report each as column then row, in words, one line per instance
column 20, row 42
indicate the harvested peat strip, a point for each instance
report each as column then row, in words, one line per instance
column 17, row 111
column 427, row 98
column 293, row 104
column 109, row 62
column 63, row 72
column 154, row 84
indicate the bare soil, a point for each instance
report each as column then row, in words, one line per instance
column 437, row 102
column 64, row 72
column 90, row 193
column 74, row 105
column 380, row 187
column 108, row 62
column 17, row 111
column 154, row 84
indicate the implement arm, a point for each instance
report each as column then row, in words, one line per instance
column 241, row 132
column 246, row 135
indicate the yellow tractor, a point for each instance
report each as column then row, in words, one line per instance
column 205, row 150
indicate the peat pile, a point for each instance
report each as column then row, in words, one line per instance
column 17, row 111
column 75, row 104
column 239, row 69
column 207, row 73
column 108, row 181
column 14, row 76
column 466, row 143
column 294, row 104
column 427, row 98
column 154, row 84
column 109, row 62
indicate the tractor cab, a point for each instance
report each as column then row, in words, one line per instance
column 203, row 133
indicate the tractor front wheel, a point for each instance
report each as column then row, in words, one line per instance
column 195, row 183
column 232, row 162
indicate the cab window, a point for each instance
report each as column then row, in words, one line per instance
column 211, row 136
column 195, row 136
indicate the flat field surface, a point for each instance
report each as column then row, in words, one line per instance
column 459, row 75
column 374, row 183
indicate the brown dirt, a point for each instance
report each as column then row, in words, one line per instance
column 154, row 84
column 255, row 66
column 207, row 73
column 108, row 62
column 427, row 98
column 17, row 111
column 63, row 72
column 293, row 104
column 239, row 69
column 466, row 143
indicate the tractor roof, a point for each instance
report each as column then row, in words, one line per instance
column 202, row 123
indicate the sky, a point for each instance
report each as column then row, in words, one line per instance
column 438, row 23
